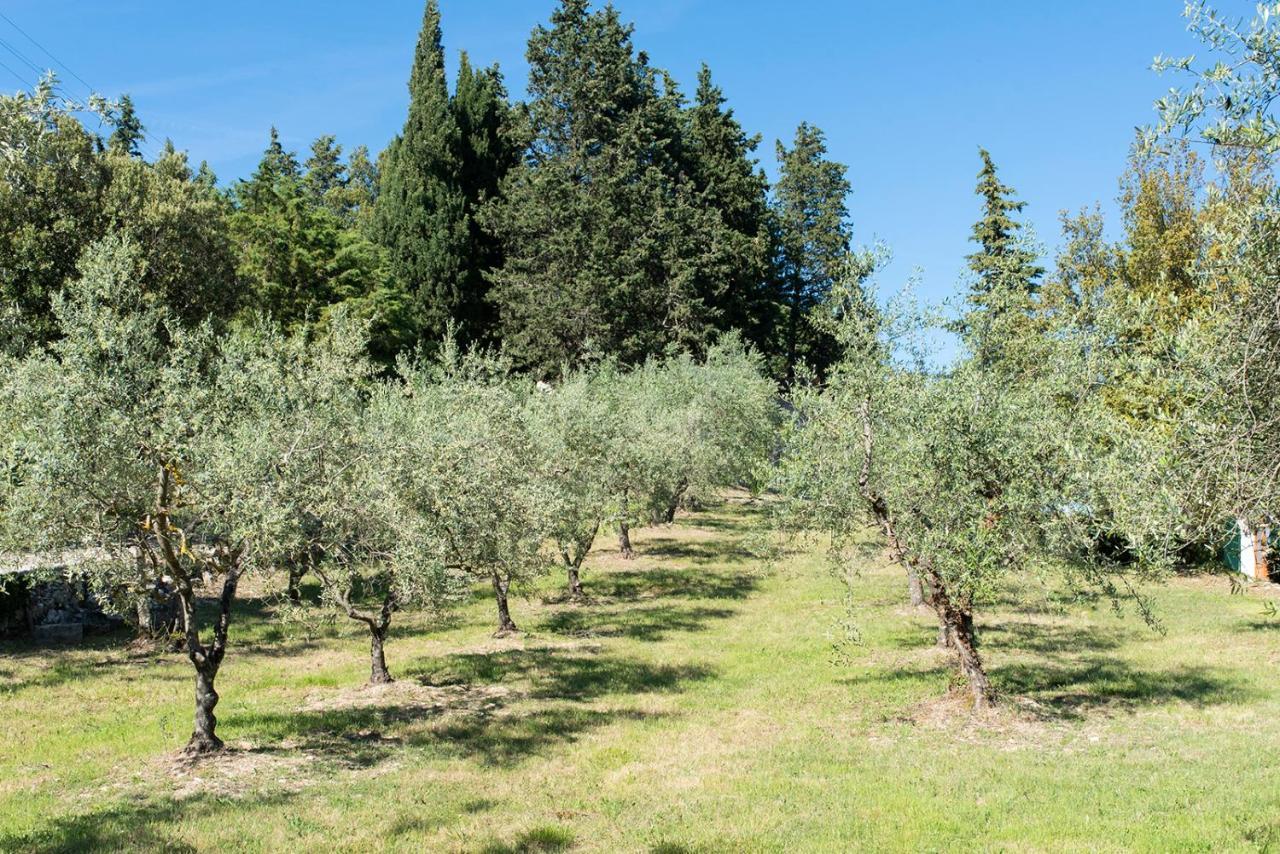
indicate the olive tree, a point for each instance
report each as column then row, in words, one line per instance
column 130, row 444
column 988, row 467
column 713, row 424
column 688, row 429
column 338, row 515
column 461, row 461
column 574, row 427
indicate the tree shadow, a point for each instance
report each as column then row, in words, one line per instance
column 630, row 585
column 564, row 674
column 1076, row 689
column 647, row 624
column 702, row 553
column 1052, row 638
column 490, row 719
column 126, row 826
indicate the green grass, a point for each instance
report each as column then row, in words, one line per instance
column 696, row 704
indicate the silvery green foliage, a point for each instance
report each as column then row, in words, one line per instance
column 715, row 422
column 1230, row 102
column 132, row 446
column 625, row 447
column 123, row 401
column 995, row 465
column 460, row 465
column 575, row 427
column 691, row 428
column 1228, row 360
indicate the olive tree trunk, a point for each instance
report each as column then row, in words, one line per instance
column 624, row 541
column 574, row 555
column 501, row 585
column 954, row 618
column 915, row 588
column 378, row 623
column 378, row 673
column 207, row 659
column 674, row 504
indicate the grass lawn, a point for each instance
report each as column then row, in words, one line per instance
column 697, row 703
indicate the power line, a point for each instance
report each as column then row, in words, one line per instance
column 46, row 52
column 13, row 50
column 16, row 75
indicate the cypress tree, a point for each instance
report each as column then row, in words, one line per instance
column 813, row 237
column 487, row 153
column 730, row 183
column 603, row 237
column 421, row 215
column 1000, row 257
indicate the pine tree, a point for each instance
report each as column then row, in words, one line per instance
column 421, row 215
column 325, row 172
column 813, row 236
column 728, row 180
column 1000, row 257
column 128, row 133
column 1001, row 296
column 603, row 236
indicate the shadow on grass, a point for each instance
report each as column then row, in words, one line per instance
column 484, row 722
column 131, row 826
column 702, row 553
column 652, row 623
column 660, row 582
column 1076, row 689
column 560, row 673
column 538, row 839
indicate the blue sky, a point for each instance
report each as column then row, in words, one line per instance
column 906, row 92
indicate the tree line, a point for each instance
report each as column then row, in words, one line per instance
column 605, row 214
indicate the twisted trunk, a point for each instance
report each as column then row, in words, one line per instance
column 573, row 558
column 506, row 625
column 207, row 659
column 914, row 588
column 624, row 541
column 378, row 673
column 674, row 504
column 379, row 623
column 955, row 619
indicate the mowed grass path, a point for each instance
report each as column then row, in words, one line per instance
column 697, row 703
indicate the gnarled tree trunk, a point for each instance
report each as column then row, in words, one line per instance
column 207, row 659
column 378, row 673
column 624, row 541
column 506, row 625
column 573, row 557
column 914, row 588
column 955, row 620
column 674, row 504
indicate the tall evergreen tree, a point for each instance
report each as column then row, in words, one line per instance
column 603, row 236
column 128, row 134
column 421, row 215
column 1000, row 298
column 728, row 180
column 325, row 172
column 487, row 152
column 1000, row 257
column 813, row 236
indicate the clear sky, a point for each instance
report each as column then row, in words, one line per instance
column 906, row 91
